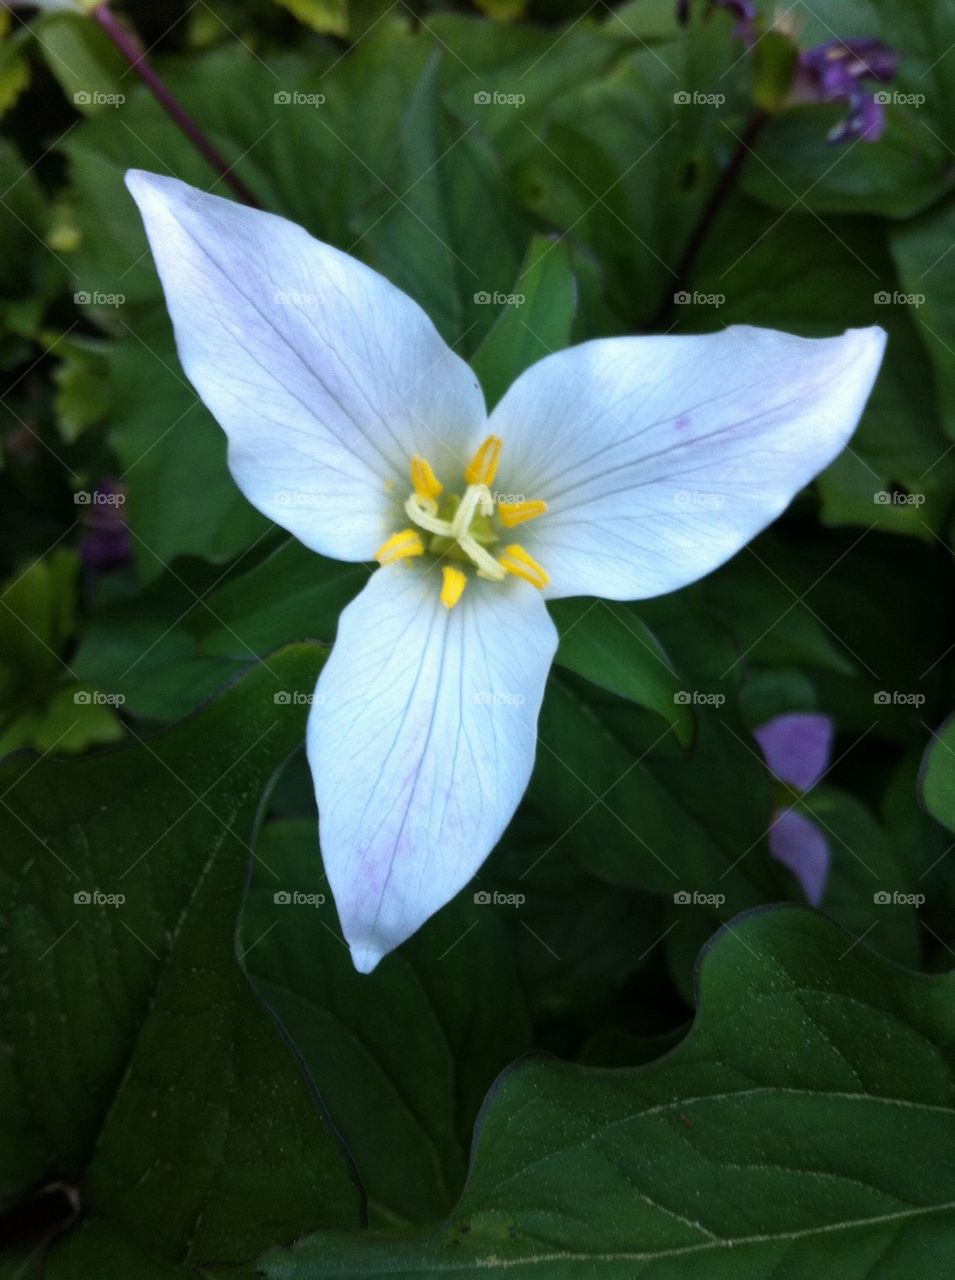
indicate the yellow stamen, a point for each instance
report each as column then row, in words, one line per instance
column 516, row 560
column 453, row 585
column 423, row 480
column 399, row 546
column 513, row 513
column 483, row 466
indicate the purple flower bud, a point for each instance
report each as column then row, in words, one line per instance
column 796, row 842
column 797, row 748
column 835, row 71
column 852, row 60
column 107, row 544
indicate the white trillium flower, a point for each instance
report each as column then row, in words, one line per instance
column 623, row 468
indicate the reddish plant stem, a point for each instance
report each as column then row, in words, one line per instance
column 723, row 189
column 129, row 46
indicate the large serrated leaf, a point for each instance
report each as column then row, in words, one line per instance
column 804, row 1125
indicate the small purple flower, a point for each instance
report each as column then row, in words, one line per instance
column 835, row 72
column 797, row 748
column 107, row 544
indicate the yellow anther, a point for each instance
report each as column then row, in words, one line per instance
column 513, row 513
column 423, row 480
column 516, row 560
column 399, row 547
column 483, row 466
column 453, row 585
column 465, row 526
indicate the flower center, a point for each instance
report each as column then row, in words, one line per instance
column 461, row 529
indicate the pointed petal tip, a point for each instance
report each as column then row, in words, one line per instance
column 151, row 188
column 406, row 814
column 873, row 336
column 863, row 350
column 366, row 958
column 771, row 410
column 140, row 181
column 152, row 193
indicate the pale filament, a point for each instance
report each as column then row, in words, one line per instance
column 477, row 503
column 477, row 500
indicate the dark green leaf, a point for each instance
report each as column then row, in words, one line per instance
column 181, row 498
column 921, row 249
column 145, row 1071
column 443, row 229
column 937, row 781
column 806, row 1121
column 405, row 1104
column 606, row 643
column 536, row 320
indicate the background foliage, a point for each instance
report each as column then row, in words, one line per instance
column 195, row 1080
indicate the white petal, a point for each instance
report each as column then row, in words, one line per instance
column 661, row 457
column 421, row 743
column 325, row 377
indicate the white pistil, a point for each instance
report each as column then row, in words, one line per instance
column 477, row 500
column 483, row 561
column 423, row 511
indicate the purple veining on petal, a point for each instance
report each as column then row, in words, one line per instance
column 797, row 747
column 796, row 842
